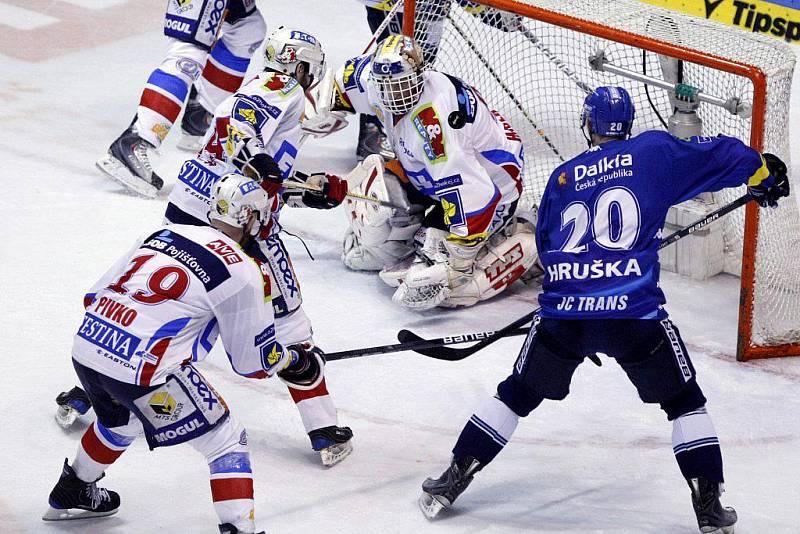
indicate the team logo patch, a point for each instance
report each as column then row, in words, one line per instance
column 162, row 403
column 161, row 129
column 429, row 128
column 349, row 70
column 451, row 205
column 281, row 83
column 562, row 179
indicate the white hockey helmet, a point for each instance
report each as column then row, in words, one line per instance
column 287, row 48
column 235, row 197
column 396, row 73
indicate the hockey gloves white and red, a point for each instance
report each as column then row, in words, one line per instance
column 332, row 193
column 767, row 193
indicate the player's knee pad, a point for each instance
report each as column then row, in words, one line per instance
column 286, row 296
column 545, row 367
column 521, row 399
column 380, row 236
column 197, row 21
column 243, row 35
column 229, row 437
column 666, row 370
column 503, row 259
column 690, row 398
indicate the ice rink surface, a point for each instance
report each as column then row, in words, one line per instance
column 600, row 461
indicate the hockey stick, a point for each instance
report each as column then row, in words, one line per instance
column 505, row 88
column 354, row 196
column 419, row 345
column 387, row 19
column 445, row 353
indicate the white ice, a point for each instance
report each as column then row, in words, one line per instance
column 600, row 461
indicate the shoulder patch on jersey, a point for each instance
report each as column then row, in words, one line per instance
column 224, row 251
column 353, row 69
column 452, row 207
column 254, row 110
column 429, row 128
column 467, row 98
column 204, row 265
column 281, row 83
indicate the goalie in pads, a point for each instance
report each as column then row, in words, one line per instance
column 457, row 159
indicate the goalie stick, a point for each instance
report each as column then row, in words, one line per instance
column 441, row 352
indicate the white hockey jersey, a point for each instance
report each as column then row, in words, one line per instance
column 168, row 299
column 452, row 147
column 268, row 109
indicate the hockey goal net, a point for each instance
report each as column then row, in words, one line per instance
column 530, row 60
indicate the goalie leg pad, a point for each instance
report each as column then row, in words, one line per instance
column 380, row 236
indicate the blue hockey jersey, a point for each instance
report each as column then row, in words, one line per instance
column 602, row 214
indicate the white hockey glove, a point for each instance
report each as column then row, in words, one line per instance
column 319, row 120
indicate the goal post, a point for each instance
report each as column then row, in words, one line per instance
column 531, row 61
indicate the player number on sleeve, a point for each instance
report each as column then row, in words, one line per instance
column 615, row 224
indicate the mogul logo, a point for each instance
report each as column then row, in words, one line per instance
column 605, row 165
column 178, row 26
column 162, row 403
column 182, row 430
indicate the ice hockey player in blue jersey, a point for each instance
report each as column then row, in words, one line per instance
column 600, row 224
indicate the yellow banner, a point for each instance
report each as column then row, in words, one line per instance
column 776, row 18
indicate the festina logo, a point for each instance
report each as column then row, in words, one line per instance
column 711, row 6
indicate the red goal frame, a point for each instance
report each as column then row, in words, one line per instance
column 745, row 350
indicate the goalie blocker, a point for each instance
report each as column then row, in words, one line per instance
column 410, row 251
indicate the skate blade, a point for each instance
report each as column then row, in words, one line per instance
column 68, row 514
column 430, row 505
column 718, row 530
column 190, row 143
column 336, row 453
column 120, row 174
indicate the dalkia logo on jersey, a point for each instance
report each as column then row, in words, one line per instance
column 429, row 127
column 605, row 165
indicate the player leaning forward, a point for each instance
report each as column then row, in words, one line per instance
column 456, row 155
column 598, row 233
column 158, row 310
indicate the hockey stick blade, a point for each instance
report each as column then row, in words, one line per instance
column 440, row 352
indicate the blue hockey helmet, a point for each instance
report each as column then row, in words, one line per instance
column 609, row 111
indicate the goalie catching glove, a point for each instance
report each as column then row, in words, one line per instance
column 306, row 369
column 775, row 186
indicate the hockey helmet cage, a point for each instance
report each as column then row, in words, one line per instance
column 608, row 111
column 396, row 73
column 235, row 197
column 286, row 48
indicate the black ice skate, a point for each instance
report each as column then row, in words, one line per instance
column 440, row 493
column 334, row 443
column 227, row 528
column 712, row 517
column 72, row 498
column 71, row 405
column 128, row 162
column 194, row 124
column 372, row 140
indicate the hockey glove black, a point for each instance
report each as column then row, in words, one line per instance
column 767, row 195
column 308, row 368
column 334, row 189
column 268, row 172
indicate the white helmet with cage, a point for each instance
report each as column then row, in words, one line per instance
column 287, row 48
column 235, row 197
column 396, row 73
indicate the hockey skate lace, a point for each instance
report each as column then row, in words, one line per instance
column 140, row 150
column 97, row 495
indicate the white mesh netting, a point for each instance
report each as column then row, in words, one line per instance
column 532, row 73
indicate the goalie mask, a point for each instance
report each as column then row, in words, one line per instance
column 234, row 198
column 287, row 48
column 397, row 73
